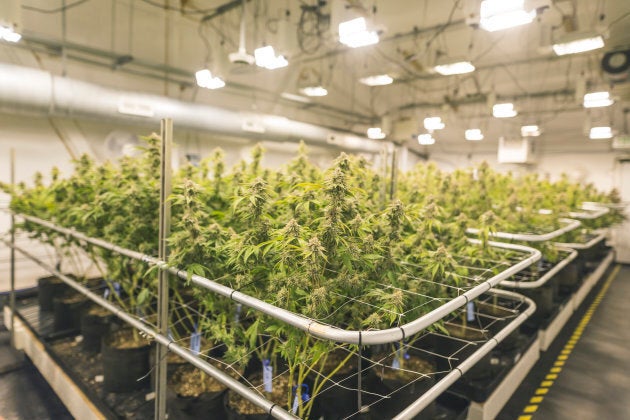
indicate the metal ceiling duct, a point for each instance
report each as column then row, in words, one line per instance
column 32, row 91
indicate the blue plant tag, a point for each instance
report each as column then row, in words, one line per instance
column 267, row 375
column 470, row 311
column 195, row 342
column 117, row 288
column 396, row 363
column 304, row 394
column 106, row 293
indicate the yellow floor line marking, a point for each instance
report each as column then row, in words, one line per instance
column 564, row 354
column 530, row 409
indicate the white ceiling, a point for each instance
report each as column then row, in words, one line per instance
column 165, row 48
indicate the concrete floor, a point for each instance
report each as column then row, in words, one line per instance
column 594, row 383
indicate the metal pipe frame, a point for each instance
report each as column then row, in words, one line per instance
column 429, row 396
column 545, row 278
column 12, row 257
column 600, row 237
column 308, row 325
column 273, row 409
column 570, row 224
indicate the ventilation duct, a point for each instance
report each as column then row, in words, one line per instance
column 32, row 91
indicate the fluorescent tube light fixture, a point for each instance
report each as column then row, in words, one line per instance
column 314, row 91
column 473, row 134
column 205, row 79
column 530, row 131
column 426, row 139
column 354, row 33
column 266, row 57
column 8, row 34
column 597, row 100
column 584, row 43
column 375, row 133
column 497, row 15
column 600, row 133
column 504, row 110
column 460, row 67
column 433, row 123
column 295, row 98
column 377, row 80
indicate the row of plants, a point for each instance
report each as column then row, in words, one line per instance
column 318, row 242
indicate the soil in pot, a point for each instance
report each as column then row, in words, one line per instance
column 67, row 311
column 238, row 408
column 125, row 361
column 198, row 395
column 405, row 383
column 95, row 323
column 49, row 288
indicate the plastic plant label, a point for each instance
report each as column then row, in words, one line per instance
column 267, row 375
column 470, row 311
column 296, row 401
column 169, row 334
column 195, row 342
column 106, row 293
column 117, row 288
column 78, row 339
column 150, row 396
column 237, row 313
column 99, row 378
column 396, row 363
column 296, row 404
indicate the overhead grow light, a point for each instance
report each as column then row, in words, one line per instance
column 530, row 131
column 497, row 15
column 266, row 57
column 578, row 43
column 505, row 110
column 597, row 99
column 375, row 133
column 426, row 139
column 474, row 134
column 205, row 79
column 459, row 67
column 600, row 133
column 354, row 33
column 377, row 80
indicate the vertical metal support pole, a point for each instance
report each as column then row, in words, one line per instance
column 359, row 380
column 165, row 228
column 12, row 293
column 394, row 174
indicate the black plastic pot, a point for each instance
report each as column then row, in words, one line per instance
column 209, row 405
column 94, row 326
column 568, row 279
column 543, row 297
column 49, row 288
column 402, row 391
column 123, row 367
column 67, row 310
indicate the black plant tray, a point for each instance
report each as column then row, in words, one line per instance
column 450, row 406
column 80, row 367
column 480, row 389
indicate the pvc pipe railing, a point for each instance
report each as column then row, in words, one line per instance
column 574, row 245
column 618, row 206
column 590, row 212
column 546, row 277
column 570, row 224
column 225, row 379
column 308, row 325
column 429, row 396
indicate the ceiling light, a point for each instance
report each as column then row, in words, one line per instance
column 597, row 99
column 504, row 110
column 460, row 67
column 266, row 57
column 502, row 14
column 314, row 91
column 601, row 133
column 8, row 34
column 426, row 139
column 474, row 134
column 296, row 98
column 375, row 133
column 433, row 123
column 377, row 80
column 354, row 33
column 530, row 131
column 206, row 80
column 575, row 44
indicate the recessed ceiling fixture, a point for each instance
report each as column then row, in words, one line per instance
column 578, row 43
column 505, row 110
column 314, row 91
column 266, row 57
column 205, row 79
column 474, row 134
column 375, row 133
column 354, row 33
column 426, row 139
column 597, row 99
column 497, row 15
column 377, row 80
column 601, row 133
column 433, row 123
column 459, row 67
column 8, row 34
column 530, row 131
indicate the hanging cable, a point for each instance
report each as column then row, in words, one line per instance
column 57, row 10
